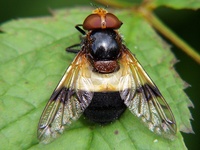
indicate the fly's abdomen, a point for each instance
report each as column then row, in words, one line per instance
column 105, row 107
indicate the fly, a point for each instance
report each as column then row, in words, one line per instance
column 103, row 80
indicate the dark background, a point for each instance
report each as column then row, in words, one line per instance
column 186, row 23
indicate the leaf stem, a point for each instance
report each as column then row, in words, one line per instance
column 157, row 24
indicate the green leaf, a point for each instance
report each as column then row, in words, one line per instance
column 33, row 59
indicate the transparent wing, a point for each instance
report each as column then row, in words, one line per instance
column 67, row 102
column 144, row 99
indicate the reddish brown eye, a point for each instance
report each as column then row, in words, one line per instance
column 100, row 19
column 93, row 21
column 112, row 21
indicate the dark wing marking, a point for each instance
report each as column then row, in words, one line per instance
column 144, row 99
column 67, row 102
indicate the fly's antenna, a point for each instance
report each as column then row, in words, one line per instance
column 94, row 5
column 105, row 7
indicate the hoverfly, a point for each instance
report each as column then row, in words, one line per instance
column 103, row 80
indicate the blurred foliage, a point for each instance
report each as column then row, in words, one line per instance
column 184, row 22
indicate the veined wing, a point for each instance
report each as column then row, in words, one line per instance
column 67, row 102
column 144, row 99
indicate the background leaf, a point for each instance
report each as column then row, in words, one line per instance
column 192, row 4
column 33, row 60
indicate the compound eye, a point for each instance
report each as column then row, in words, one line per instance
column 93, row 21
column 112, row 21
column 101, row 20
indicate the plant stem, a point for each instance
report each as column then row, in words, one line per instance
column 162, row 28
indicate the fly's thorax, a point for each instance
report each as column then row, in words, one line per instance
column 103, row 50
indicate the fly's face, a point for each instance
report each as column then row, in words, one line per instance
column 103, row 80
